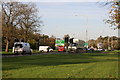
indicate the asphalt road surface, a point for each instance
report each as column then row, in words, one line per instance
column 16, row 55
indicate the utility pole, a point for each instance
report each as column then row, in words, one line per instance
column 86, row 38
column 86, row 28
column 108, row 43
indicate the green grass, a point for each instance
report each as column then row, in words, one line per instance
column 94, row 65
column 10, row 52
column 36, row 51
column 3, row 52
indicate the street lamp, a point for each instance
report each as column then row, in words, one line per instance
column 73, row 35
column 86, row 27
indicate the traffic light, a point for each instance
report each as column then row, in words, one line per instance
column 71, row 40
column 66, row 39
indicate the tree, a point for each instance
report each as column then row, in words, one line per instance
column 92, row 43
column 52, row 42
column 0, row 30
column 9, row 13
column 29, row 20
column 114, row 14
column 107, row 41
column 19, row 20
column 81, row 43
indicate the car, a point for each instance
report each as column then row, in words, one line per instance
column 90, row 50
column 101, row 49
column 61, row 49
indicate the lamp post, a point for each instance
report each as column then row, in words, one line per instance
column 73, row 35
column 86, row 28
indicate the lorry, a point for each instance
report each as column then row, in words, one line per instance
column 22, row 48
column 77, row 46
column 45, row 49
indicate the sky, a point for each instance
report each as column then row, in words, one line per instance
column 74, row 18
column 58, row 0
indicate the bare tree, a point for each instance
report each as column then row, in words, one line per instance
column 19, row 20
column 9, row 14
column 29, row 21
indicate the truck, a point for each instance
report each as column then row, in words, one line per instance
column 77, row 46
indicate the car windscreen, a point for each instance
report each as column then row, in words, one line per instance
column 74, row 44
column 18, row 46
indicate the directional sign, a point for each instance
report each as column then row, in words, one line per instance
column 85, row 44
column 59, row 43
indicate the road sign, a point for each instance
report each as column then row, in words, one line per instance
column 85, row 44
column 59, row 43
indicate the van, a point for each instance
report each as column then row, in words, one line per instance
column 21, row 48
column 45, row 49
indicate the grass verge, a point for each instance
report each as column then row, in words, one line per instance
column 62, row 66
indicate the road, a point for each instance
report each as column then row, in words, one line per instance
column 14, row 55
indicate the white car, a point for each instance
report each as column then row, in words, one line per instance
column 100, row 49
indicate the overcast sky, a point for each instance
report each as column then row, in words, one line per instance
column 60, row 18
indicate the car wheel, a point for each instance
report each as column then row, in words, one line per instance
column 30, row 53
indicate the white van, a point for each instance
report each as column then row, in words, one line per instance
column 45, row 49
column 21, row 48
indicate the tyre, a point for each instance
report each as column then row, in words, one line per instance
column 30, row 53
column 22, row 53
column 16, row 53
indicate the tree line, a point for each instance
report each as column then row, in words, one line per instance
column 20, row 22
column 114, row 17
column 114, row 21
column 107, row 42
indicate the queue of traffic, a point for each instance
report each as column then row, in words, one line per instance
column 60, row 46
